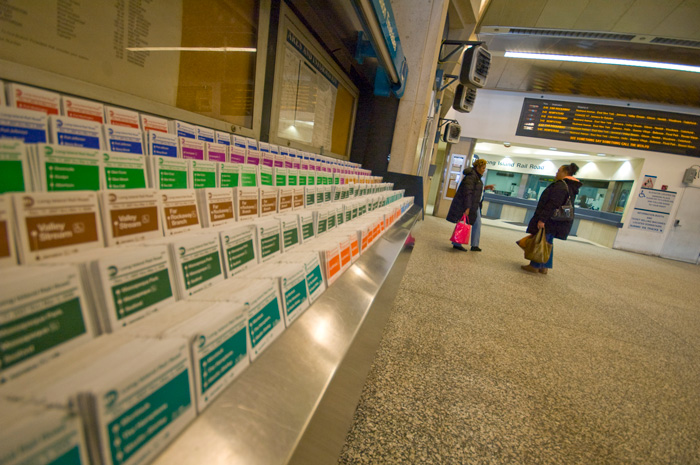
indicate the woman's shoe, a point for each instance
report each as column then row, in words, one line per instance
column 543, row 270
column 459, row 247
column 530, row 269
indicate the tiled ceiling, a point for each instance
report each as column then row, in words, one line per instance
column 650, row 30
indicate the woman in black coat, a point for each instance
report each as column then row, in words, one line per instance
column 466, row 200
column 554, row 196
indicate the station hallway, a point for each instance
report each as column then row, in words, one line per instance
column 597, row 362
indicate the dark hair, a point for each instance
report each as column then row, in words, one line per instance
column 571, row 169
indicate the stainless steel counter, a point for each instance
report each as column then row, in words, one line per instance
column 295, row 403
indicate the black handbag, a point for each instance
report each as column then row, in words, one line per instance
column 566, row 211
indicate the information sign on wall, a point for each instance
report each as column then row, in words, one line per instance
column 623, row 127
column 652, row 210
column 309, row 92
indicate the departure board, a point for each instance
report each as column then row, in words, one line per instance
column 623, row 127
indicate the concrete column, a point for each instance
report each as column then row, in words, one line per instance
column 420, row 24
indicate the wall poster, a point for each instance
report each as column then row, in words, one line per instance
column 652, row 210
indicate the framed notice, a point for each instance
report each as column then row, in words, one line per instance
column 190, row 60
column 315, row 101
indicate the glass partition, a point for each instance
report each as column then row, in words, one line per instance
column 200, row 56
column 505, row 182
column 219, row 83
column 591, row 195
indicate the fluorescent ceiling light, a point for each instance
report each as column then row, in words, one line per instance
column 192, row 49
column 603, row 61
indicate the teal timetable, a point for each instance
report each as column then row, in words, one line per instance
column 624, row 127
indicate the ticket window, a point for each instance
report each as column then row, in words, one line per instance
column 454, row 175
column 504, row 182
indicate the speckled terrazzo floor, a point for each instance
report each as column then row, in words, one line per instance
column 481, row 363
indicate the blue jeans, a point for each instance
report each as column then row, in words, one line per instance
column 550, row 240
column 476, row 229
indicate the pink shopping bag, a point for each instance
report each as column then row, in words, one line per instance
column 462, row 231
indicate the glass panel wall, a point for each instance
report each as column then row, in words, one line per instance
column 592, row 194
column 505, row 183
column 217, row 83
column 597, row 195
column 536, row 185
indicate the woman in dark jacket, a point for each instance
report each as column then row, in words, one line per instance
column 554, row 196
column 466, row 200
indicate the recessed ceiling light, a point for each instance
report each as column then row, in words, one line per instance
column 601, row 155
column 553, row 148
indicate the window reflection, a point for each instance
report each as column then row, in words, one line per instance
column 219, row 84
column 595, row 195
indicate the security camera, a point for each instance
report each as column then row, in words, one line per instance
column 506, row 144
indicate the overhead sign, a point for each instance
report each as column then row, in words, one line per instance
column 652, row 210
column 623, row 127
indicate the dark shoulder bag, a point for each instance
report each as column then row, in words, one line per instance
column 566, row 211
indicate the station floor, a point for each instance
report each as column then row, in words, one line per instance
column 597, row 362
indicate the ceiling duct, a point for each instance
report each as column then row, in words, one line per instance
column 572, row 34
column 675, row 42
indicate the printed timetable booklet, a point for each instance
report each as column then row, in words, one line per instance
column 167, row 173
column 182, row 129
column 216, row 333
column 133, row 399
column 123, row 171
column 122, row 117
column 216, row 152
column 74, row 107
column 162, row 144
column 291, row 280
column 216, row 206
column 223, row 138
column 205, row 134
column 315, row 281
column 153, row 123
column 43, row 313
column 239, row 247
column 262, row 304
column 124, row 284
column 202, row 174
column 196, row 261
column 8, row 253
column 31, row 98
column 246, row 202
column 39, row 435
column 65, row 168
column 75, row 132
column 54, row 224
column 123, row 139
column 269, row 234
column 15, row 174
column 291, row 231
column 27, row 125
column 130, row 215
column 179, row 211
column 229, row 174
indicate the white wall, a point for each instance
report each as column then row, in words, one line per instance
column 495, row 117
